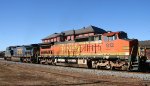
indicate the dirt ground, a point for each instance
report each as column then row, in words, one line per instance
column 14, row 74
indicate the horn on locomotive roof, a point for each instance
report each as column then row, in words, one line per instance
column 109, row 31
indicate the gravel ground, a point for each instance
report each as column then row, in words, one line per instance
column 15, row 73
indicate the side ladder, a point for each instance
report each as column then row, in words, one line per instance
column 134, row 61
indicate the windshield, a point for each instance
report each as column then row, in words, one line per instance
column 110, row 38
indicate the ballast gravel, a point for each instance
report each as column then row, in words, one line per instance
column 143, row 76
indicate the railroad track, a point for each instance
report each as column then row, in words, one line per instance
column 139, row 75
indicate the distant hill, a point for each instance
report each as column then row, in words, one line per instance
column 145, row 43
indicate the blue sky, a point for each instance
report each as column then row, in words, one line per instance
column 28, row 21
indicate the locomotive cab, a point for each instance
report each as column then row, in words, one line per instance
column 119, row 42
column 115, row 44
column 119, row 51
column 110, row 36
column 9, row 52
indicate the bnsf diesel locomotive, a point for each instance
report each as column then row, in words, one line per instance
column 90, row 47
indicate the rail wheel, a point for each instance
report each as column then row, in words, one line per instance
column 124, row 67
column 108, row 67
column 98, row 67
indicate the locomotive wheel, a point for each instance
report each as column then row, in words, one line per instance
column 9, row 59
column 98, row 67
column 108, row 67
column 129, row 68
column 53, row 63
column 21, row 59
column 124, row 67
column 5, row 58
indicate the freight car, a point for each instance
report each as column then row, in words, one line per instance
column 90, row 47
column 145, row 46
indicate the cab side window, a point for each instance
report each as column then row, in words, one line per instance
column 105, row 38
column 111, row 38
